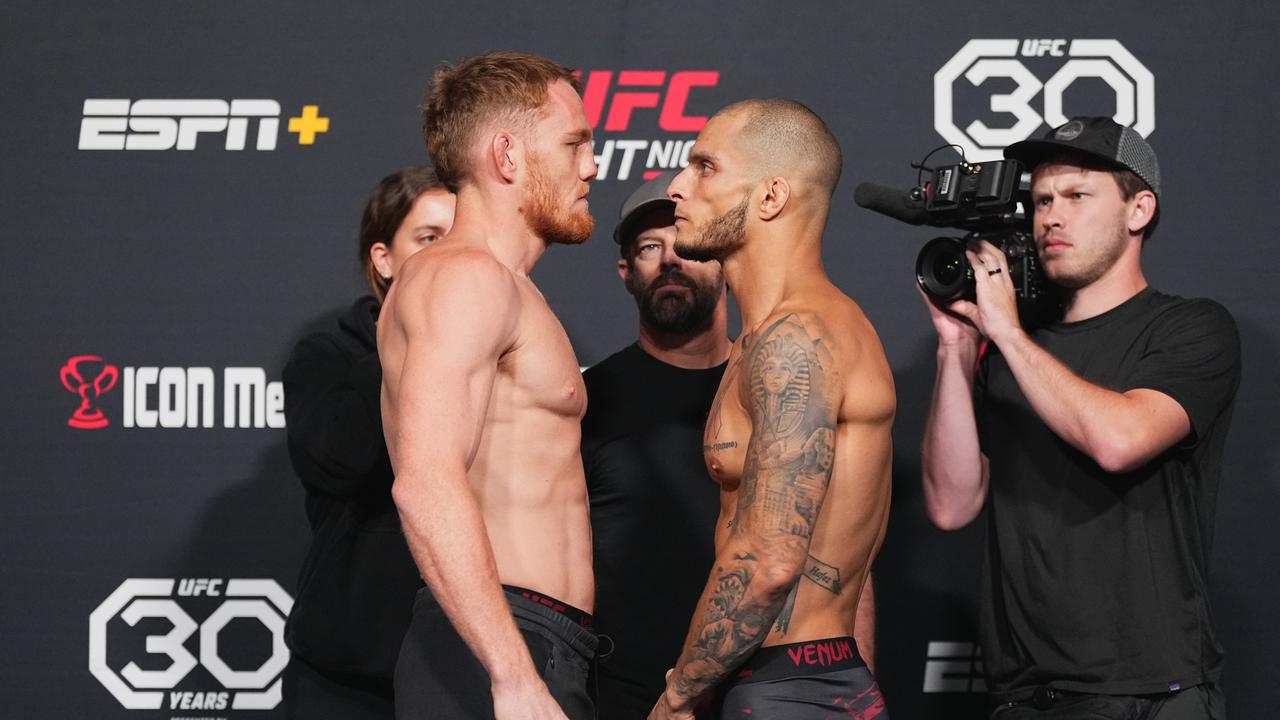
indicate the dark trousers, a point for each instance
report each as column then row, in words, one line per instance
column 1202, row 702
column 311, row 693
column 437, row 676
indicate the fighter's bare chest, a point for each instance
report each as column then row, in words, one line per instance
column 541, row 370
column 724, row 440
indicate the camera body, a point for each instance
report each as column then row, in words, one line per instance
column 990, row 200
column 944, row 273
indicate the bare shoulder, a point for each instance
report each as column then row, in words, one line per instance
column 859, row 370
column 831, row 326
column 448, row 269
column 789, row 346
column 456, row 289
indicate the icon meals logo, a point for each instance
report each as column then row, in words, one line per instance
column 172, row 397
column 103, row 378
column 138, row 641
column 1082, row 66
column 152, row 124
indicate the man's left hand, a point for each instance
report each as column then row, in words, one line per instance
column 995, row 313
column 664, row 710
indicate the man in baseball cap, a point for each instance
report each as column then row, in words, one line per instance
column 1096, row 441
column 1101, row 144
column 653, row 507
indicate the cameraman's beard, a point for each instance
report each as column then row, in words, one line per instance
column 1089, row 269
column 719, row 238
column 554, row 224
column 672, row 312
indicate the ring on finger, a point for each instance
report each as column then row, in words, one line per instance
column 994, row 272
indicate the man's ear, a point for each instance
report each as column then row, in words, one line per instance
column 502, row 156
column 1143, row 210
column 777, row 191
column 624, row 269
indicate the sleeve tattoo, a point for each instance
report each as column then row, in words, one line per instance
column 786, row 388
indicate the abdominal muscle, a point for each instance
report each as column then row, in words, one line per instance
column 528, row 479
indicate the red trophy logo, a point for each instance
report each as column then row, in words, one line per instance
column 88, row 417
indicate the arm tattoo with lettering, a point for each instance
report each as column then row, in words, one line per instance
column 787, row 388
column 817, row 572
column 823, row 575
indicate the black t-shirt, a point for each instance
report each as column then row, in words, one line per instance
column 653, row 515
column 1096, row 582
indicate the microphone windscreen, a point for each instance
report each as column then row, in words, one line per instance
column 891, row 202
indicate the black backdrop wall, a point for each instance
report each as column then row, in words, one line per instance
column 180, row 188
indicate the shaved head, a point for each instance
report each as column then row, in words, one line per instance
column 783, row 137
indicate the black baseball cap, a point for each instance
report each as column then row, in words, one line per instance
column 649, row 195
column 1099, row 137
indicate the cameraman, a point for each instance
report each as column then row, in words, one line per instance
column 1098, row 440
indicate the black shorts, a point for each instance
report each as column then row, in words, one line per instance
column 437, row 676
column 810, row 680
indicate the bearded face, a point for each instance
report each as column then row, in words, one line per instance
column 676, row 302
column 718, row 238
column 1094, row 254
column 1081, row 223
column 554, row 215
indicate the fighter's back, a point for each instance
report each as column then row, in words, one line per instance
column 524, row 468
column 816, row 336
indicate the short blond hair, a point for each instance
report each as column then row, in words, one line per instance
column 464, row 98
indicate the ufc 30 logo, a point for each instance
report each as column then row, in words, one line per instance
column 982, row 60
column 136, row 600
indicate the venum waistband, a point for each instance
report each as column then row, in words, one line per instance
column 810, row 657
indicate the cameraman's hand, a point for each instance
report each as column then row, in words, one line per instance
column 954, row 330
column 995, row 315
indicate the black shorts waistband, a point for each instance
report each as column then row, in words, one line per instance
column 581, row 618
column 810, row 657
column 528, row 614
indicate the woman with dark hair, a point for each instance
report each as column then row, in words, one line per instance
column 356, row 589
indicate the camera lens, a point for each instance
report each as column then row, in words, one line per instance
column 943, row 271
column 947, row 268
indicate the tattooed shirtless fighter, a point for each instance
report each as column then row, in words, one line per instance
column 482, row 400
column 798, row 437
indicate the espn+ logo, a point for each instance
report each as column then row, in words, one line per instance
column 160, row 124
column 1075, row 66
column 613, row 102
column 167, row 605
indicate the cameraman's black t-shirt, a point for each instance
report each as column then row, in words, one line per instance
column 653, row 515
column 1097, row 582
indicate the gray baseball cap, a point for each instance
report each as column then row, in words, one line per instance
column 651, row 194
column 1099, row 137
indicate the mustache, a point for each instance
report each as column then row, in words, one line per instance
column 672, row 276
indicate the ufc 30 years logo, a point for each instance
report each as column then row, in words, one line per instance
column 139, row 639
column 1062, row 63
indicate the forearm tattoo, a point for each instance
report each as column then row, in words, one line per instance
column 785, row 388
